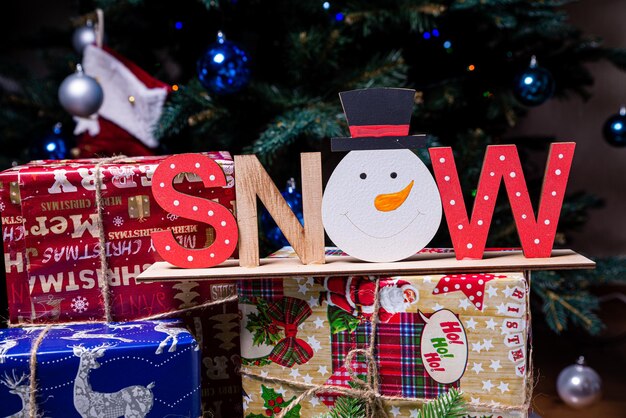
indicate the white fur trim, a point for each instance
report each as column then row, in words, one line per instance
column 118, row 83
column 89, row 124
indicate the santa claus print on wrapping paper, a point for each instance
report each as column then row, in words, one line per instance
column 356, row 295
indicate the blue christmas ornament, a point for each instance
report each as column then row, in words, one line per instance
column 614, row 129
column 53, row 146
column 534, row 85
column 223, row 67
column 294, row 200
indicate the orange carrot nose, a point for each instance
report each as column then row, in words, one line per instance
column 392, row 201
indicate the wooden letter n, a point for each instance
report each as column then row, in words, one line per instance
column 251, row 180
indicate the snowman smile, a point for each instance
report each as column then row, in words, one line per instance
column 382, row 236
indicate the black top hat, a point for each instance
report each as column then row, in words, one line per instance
column 378, row 119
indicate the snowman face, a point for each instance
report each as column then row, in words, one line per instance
column 381, row 205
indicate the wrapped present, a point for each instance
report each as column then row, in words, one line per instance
column 52, row 237
column 433, row 333
column 98, row 370
column 54, row 270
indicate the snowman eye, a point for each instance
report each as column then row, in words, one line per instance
column 394, row 175
column 363, row 176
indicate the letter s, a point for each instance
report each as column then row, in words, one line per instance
column 195, row 208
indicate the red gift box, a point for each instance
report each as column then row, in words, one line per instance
column 52, row 254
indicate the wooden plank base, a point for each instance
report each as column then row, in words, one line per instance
column 420, row 264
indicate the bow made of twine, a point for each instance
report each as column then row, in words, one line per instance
column 368, row 390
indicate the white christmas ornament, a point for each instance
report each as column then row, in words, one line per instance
column 380, row 205
column 127, row 101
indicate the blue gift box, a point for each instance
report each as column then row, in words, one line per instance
column 131, row 369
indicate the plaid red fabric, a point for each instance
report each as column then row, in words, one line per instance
column 398, row 344
column 269, row 289
column 288, row 313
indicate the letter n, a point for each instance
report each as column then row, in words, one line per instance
column 502, row 162
column 251, row 180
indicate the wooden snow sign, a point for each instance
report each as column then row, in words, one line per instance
column 381, row 203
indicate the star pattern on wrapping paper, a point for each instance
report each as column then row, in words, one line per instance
column 478, row 367
column 414, row 413
column 319, row 322
column 495, row 365
column 501, row 309
column 315, row 345
column 395, row 411
column 310, row 281
column 492, row 292
column 302, row 288
column 437, row 307
column 314, row 401
column 474, row 400
column 464, row 304
column 295, row 372
column 487, row 345
column 504, row 387
column 313, row 302
column 487, row 385
column 471, row 285
column 323, row 370
column 470, row 323
column 477, row 347
column 264, row 373
column 490, row 324
column 307, row 379
column 508, row 291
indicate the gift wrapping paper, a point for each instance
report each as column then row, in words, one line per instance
column 467, row 331
column 52, row 263
column 133, row 369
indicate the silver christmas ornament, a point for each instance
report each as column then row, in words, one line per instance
column 579, row 385
column 83, row 36
column 80, row 94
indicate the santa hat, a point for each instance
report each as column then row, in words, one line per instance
column 133, row 103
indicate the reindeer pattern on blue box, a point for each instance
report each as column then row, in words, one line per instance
column 130, row 370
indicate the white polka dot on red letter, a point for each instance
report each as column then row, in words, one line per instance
column 557, row 172
column 460, row 226
column 176, row 203
column 197, row 165
column 167, row 248
column 223, row 223
column 447, row 178
column 536, row 240
column 512, row 174
column 227, row 242
column 211, row 177
column 195, row 208
column 189, row 258
column 211, row 213
column 442, row 160
column 480, row 222
column 502, row 158
column 486, row 197
column 452, row 202
column 547, row 222
column 162, row 184
column 469, row 246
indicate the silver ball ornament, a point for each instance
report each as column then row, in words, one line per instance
column 80, row 94
column 83, row 36
column 579, row 385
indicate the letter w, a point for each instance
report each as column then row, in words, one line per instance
column 502, row 162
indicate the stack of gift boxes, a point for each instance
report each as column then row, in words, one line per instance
column 435, row 332
column 54, row 275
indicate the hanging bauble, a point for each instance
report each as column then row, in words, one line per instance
column 614, row 129
column 534, row 85
column 53, row 146
column 80, row 94
column 223, row 67
column 83, row 36
column 579, row 385
column 294, row 200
